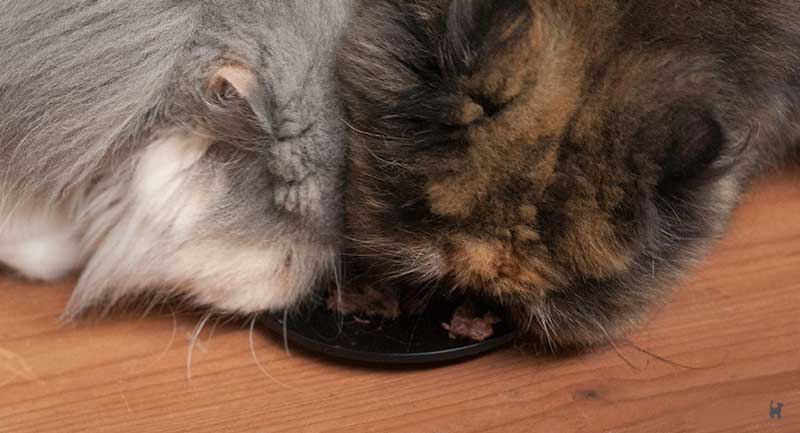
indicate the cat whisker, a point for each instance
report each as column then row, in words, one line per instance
column 192, row 341
column 260, row 366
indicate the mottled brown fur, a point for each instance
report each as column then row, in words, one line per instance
column 567, row 159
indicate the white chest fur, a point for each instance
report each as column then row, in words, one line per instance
column 41, row 244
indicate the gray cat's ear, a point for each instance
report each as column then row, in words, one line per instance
column 235, row 84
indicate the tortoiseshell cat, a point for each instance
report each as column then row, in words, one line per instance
column 567, row 159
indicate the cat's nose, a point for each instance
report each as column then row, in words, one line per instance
column 292, row 128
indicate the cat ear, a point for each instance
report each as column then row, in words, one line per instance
column 236, row 84
column 475, row 27
column 699, row 151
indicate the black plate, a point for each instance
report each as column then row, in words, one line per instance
column 408, row 340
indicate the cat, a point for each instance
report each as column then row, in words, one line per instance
column 568, row 160
column 182, row 148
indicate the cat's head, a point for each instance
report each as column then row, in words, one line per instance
column 535, row 153
column 231, row 194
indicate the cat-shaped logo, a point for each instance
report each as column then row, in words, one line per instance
column 775, row 411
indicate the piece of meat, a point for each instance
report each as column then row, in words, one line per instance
column 367, row 301
column 466, row 323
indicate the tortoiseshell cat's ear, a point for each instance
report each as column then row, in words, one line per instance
column 698, row 150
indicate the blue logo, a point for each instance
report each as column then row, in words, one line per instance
column 775, row 410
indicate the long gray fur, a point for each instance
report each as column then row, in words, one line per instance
column 86, row 86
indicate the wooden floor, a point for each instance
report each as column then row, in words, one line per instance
column 726, row 346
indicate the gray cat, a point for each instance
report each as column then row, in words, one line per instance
column 193, row 146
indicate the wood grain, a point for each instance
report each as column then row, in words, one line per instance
column 725, row 346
